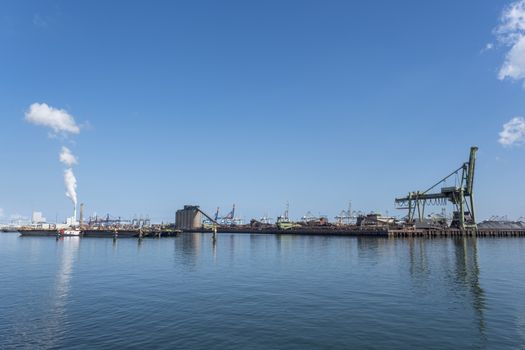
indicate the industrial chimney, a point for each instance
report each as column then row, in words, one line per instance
column 74, row 221
column 81, row 215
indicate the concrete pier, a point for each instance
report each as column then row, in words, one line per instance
column 373, row 232
column 458, row 233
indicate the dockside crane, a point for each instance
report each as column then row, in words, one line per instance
column 226, row 220
column 461, row 196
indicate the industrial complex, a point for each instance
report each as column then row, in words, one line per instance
column 416, row 222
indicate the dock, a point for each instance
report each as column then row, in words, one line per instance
column 481, row 232
column 104, row 233
column 350, row 231
column 372, row 232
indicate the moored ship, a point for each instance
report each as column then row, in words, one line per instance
column 31, row 231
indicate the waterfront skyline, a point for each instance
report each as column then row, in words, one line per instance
column 312, row 103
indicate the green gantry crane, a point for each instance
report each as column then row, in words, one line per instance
column 461, row 196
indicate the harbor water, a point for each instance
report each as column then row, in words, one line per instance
column 250, row 291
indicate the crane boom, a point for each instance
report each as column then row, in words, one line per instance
column 471, row 168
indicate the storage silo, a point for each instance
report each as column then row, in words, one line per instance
column 189, row 218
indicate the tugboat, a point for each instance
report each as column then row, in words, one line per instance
column 283, row 222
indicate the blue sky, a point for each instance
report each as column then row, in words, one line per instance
column 258, row 103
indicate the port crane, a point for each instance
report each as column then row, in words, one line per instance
column 346, row 217
column 226, row 220
column 461, row 196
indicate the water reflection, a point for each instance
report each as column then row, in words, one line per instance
column 62, row 288
column 460, row 267
column 444, row 268
column 418, row 258
column 467, row 274
column 63, row 278
column 231, row 240
column 214, row 249
column 187, row 248
column 48, row 330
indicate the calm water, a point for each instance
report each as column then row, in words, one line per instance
column 262, row 292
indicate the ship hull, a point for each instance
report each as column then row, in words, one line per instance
column 38, row 232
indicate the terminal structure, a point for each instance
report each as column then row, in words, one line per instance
column 461, row 196
column 192, row 219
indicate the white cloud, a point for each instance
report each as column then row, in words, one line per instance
column 513, row 132
column 2, row 213
column 514, row 65
column 512, row 20
column 488, row 47
column 67, row 157
column 511, row 33
column 56, row 119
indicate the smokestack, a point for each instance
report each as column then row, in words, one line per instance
column 74, row 215
column 81, row 214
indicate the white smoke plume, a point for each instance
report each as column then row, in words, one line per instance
column 70, row 182
column 60, row 121
column 513, row 132
column 67, row 157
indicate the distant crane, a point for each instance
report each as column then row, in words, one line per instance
column 345, row 217
column 217, row 214
column 229, row 219
column 230, row 215
column 461, row 196
column 309, row 217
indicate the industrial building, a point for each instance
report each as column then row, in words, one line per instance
column 189, row 218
